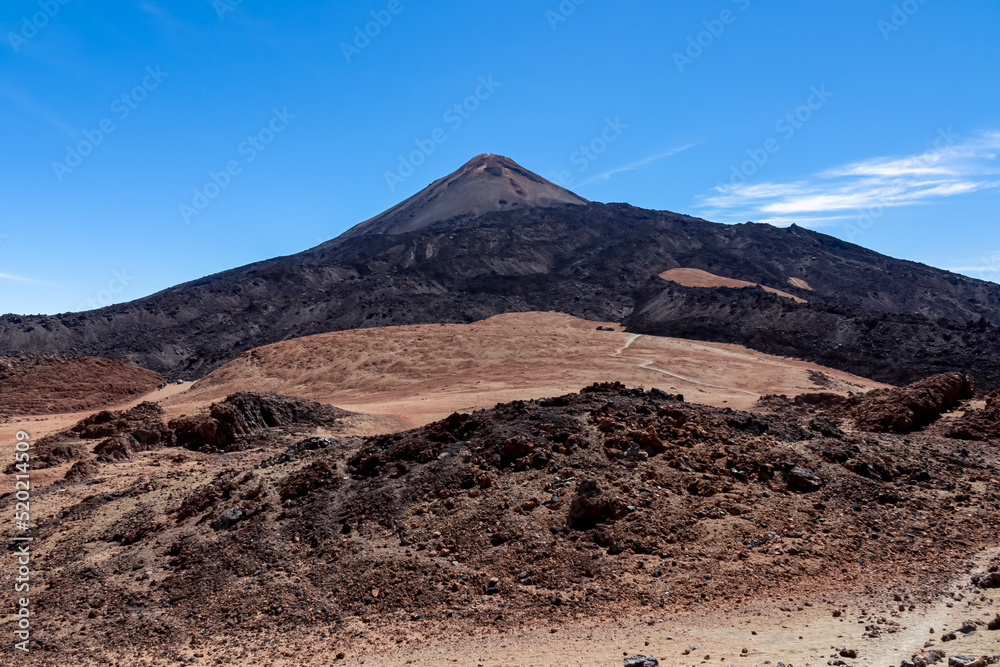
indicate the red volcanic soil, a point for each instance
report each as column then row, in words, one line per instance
column 42, row 385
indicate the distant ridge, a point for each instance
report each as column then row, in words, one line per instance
column 484, row 184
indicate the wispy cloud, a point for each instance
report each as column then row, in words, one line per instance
column 23, row 100
column 636, row 165
column 20, row 279
column 954, row 167
column 158, row 13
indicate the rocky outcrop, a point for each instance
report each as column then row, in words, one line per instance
column 230, row 423
column 981, row 424
column 909, row 408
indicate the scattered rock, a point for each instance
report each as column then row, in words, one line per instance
column 803, row 479
column 82, row 470
column 641, row 661
column 988, row 580
column 228, row 518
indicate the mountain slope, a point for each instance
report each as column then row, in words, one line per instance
column 596, row 262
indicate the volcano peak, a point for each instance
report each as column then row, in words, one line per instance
column 484, row 184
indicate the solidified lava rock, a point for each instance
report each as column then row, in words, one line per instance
column 81, row 470
column 641, row 661
column 590, row 507
column 230, row 423
column 441, row 520
column 804, row 480
column 988, row 580
column 144, row 423
column 117, row 449
column 979, row 424
column 909, row 408
column 53, row 450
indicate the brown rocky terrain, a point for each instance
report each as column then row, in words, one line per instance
column 42, row 384
column 898, row 410
column 465, row 502
column 243, row 420
column 979, row 423
column 612, row 507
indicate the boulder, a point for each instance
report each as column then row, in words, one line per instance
column 641, row 661
column 803, row 479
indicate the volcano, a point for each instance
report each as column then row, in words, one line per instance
column 486, row 183
column 494, row 238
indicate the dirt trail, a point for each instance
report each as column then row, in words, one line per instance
column 778, row 631
column 647, row 364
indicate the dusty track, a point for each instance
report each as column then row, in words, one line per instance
column 802, row 636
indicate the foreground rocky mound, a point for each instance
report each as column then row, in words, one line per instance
column 34, row 384
column 598, row 503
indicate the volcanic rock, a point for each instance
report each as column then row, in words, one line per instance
column 979, row 424
column 909, row 408
column 988, row 580
column 117, row 449
column 641, row 661
column 313, row 542
column 804, row 480
column 231, row 423
column 144, row 423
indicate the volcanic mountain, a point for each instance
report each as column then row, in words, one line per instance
column 494, row 238
column 486, row 183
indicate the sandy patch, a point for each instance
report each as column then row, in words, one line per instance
column 699, row 278
column 412, row 375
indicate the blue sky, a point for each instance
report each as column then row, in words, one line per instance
column 146, row 143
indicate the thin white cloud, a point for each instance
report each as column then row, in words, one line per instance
column 20, row 279
column 23, row 100
column 637, row 164
column 157, row 12
column 953, row 168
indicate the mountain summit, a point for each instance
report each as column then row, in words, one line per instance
column 486, row 183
